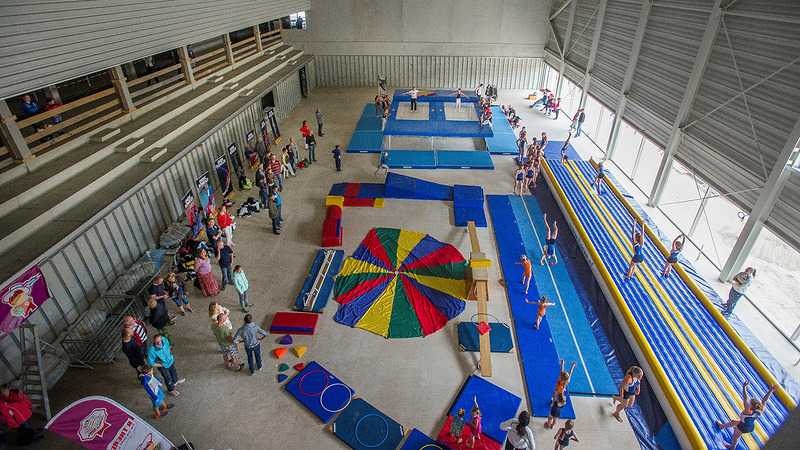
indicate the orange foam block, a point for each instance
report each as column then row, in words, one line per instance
column 280, row 352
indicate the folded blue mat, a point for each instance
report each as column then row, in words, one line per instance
column 464, row 215
column 497, row 405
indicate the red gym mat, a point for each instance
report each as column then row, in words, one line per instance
column 352, row 189
column 294, row 323
column 354, row 201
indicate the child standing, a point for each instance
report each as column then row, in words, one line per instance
column 337, row 157
column 628, row 390
column 475, row 424
column 563, row 379
column 153, row 388
column 564, row 435
column 457, row 426
column 241, row 284
column 555, row 410
column 528, row 274
column 543, row 304
column 518, row 177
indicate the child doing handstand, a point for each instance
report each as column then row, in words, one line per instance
column 549, row 250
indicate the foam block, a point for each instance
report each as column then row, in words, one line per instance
column 352, row 190
column 299, row 351
column 467, row 196
column 399, row 186
column 421, row 190
column 440, row 192
column 338, row 189
column 299, row 366
column 356, row 201
column 378, row 203
column 294, row 323
column 334, row 200
column 282, row 377
column 480, row 263
column 283, row 368
column 286, row 340
column 279, row 352
column 371, row 190
column 464, row 215
column 334, row 212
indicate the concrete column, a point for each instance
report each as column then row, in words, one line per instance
column 53, row 93
column 186, row 64
column 228, row 48
column 257, row 35
column 121, row 86
column 12, row 136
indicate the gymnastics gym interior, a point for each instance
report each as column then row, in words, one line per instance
column 393, row 295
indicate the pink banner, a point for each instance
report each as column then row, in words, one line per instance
column 100, row 423
column 21, row 298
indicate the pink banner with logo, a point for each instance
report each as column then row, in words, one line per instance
column 100, row 423
column 21, row 298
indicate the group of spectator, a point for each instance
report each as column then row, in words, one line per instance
column 30, row 108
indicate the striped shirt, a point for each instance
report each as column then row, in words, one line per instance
column 275, row 165
column 139, row 333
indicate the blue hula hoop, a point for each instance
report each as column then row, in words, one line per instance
column 384, row 437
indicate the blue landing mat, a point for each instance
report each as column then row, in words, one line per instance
column 553, row 151
column 411, row 127
column 464, row 215
column 440, row 192
column 362, row 426
column 497, row 405
column 436, row 111
column 440, row 95
column 502, row 144
column 314, row 379
column 462, row 128
column 536, row 347
column 418, row 440
column 575, row 340
column 368, row 120
column 365, row 142
column 499, row 337
column 371, row 190
column 467, row 196
column 338, row 189
column 499, row 121
column 327, row 285
column 411, row 159
column 458, row 159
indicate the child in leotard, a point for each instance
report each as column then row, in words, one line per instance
column 564, row 435
column 475, row 424
column 536, row 167
column 549, row 249
column 746, row 422
column 672, row 259
column 563, row 379
column 628, row 390
column 555, row 410
column 528, row 274
column 637, row 240
column 457, row 425
column 529, row 174
column 598, row 180
column 518, row 179
column 543, row 304
column 522, row 142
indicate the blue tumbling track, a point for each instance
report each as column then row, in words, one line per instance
column 700, row 361
column 536, row 348
column 573, row 335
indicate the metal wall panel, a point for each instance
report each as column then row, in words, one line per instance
column 616, row 42
column 783, row 219
column 580, row 42
column 427, row 71
column 44, row 43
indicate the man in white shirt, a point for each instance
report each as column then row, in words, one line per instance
column 413, row 92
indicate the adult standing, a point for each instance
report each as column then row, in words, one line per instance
column 226, row 223
column 261, row 149
column 413, row 93
column 382, row 163
column 287, row 161
column 160, row 356
column 320, row 118
column 202, row 267
column 224, row 335
column 337, row 157
column 224, row 256
column 272, row 207
column 249, row 333
column 276, row 168
column 311, row 144
column 489, row 91
column 159, row 316
column 213, row 232
column 242, row 285
column 16, row 412
column 741, row 282
column 293, row 149
column 133, row 351
column 581, row 119
column 557, row 108
column 138, row 330
column 304, row 131
column 479, row 91
column 279, row 204
column 263, row 188
column 519, row 435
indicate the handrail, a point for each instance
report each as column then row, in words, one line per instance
column 75, row 131
column 241, row 43
column 160, row 84
column 62, row 109
column 726, row 327
column 150, row 76
column 209, row 66
column 682, row 415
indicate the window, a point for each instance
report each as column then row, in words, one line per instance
column 646, row 165
column 294, row 21
column 627, row 148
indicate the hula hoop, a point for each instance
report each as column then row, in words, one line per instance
column 300, row 383
column 384, row 437
column 472, row 319
column 431, row 445
column 349, row 397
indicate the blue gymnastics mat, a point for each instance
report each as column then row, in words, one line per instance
column 412, row 159
column 464, row 128
column 499, row 121
column 499, row 337
column 502, row 144
column 362, row 426
column 399, row 186
column 418, row 440
column 497, row 405
column 536, row 347
column 464, row 215
column 553, row 151
column 371, row 190
column 308, row 387
column 467, row 196
column 324, row 293
column 368, row 120
column 411, row 127
column 576, row 341
column 337, row 189
column 365, row 142
column 440, row 192
column 463, row 159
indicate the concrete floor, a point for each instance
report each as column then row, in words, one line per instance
column 412, row 380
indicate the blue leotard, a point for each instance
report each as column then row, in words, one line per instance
column 551, row 247
column 530, row 173
column 564, row 441
column 637, row 256
column 519, row 176
column 748, row 421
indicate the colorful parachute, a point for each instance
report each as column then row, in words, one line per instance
column 400, row 283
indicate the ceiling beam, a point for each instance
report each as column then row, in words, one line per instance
column 560, row 10
column 695, row 77
column 630, row 69
column 598, row 27
column 565, row 49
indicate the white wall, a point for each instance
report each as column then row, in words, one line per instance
column 515, row 28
